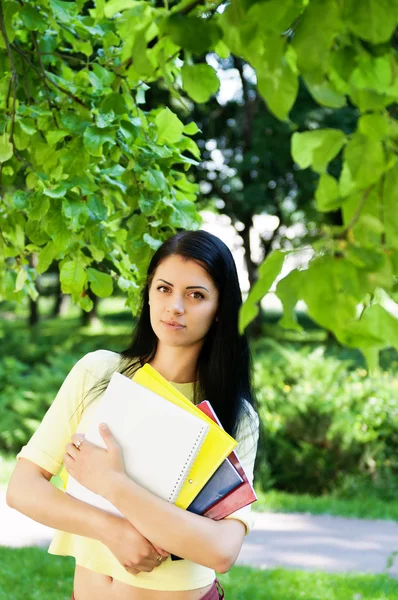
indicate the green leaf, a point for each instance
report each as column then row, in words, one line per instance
column 58, row 191
column 169, row 126
column 184, row 215
column 200, row 81
column 327, row 194
column 364, row 163
column 149, row 203
column 100, row 283
column 39, row 206
column 46, row 257
column 373, row 73
column 287, row 290
column 115, row 6
column 85, row 302
column 9, row 10
column 20, row 200
column 6, row 150
column 191, row 128
column 100, row 77
column 331, row 290
column 95, row 137
column 315, row 34
column 55, row 136
column 114, row 103
column 192, row 33
column 35, row 233
column 152, row 243
column 28, row 125
column 53, row 223
column 371, row 20
column 268, row 271
column 155, row 180
column 324, row 92
column 97, row 209
column 317, row 148
column 32, row 18
column 63, row 11
column 390, row 207
column 21, row 138
column 373, row 126
column 277, row 77
column 76, row 212
column 21, row 278
column 377, row 327
column 248, row 312
column 126, row 284
column 72, row 277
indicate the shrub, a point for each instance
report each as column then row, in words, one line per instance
column 326, row 424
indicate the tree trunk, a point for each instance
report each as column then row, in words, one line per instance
column 34, row 314
column 250, row 265
column 90, row 317
column 254, row 330
column 61, row 302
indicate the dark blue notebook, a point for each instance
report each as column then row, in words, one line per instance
column 224, row 480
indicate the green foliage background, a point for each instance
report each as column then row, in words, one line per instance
column 92, row 180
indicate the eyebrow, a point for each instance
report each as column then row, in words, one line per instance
column 190, row 287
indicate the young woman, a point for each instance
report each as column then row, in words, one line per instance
column 188, row 331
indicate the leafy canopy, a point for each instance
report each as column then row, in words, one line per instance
column 91, row 179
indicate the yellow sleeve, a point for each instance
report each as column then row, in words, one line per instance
column 246, row 451
column 46, row 447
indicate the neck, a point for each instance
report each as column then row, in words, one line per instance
column 177, row 365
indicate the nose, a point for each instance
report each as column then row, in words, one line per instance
column 176, row 305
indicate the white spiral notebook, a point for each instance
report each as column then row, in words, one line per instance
column 159, row 440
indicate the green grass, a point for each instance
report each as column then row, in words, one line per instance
column 47, row 577
column 361, row 507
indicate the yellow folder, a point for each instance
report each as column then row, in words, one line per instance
column 217, row 445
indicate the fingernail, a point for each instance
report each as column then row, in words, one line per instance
column 103, row 426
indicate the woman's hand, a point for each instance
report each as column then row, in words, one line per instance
column 92, row 466
column 134, row 552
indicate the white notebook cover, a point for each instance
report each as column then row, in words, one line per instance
column 159, row 440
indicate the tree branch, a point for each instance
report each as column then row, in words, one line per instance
column 13, row 80
column 46, row 88
column 44, row 77
column 357, row 214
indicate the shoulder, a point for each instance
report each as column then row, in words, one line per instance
column 100, row 362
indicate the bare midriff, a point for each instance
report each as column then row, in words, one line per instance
column 88, row 585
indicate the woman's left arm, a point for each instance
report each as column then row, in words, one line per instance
column 214, row 544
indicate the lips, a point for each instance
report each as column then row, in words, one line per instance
column 173, row 323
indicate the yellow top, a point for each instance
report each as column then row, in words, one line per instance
column 46, row 448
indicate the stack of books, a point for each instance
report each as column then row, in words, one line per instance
column 174, row 449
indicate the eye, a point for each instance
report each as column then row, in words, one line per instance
column 201, row 296
column 162, row 287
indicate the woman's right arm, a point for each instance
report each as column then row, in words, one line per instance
column 31, row 493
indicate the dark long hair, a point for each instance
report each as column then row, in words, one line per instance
column 224, row 364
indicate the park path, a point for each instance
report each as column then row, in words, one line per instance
column 294, row 541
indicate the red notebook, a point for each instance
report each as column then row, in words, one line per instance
column 239, row 497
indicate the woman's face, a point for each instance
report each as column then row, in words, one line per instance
column 183, row 302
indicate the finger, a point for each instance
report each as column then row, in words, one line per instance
column 132, row 570
column 71, row 450
column 161, row 551
column 107, row 436
column 77, row 437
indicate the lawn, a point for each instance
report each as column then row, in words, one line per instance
column 48, row 577
column 363, row 506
